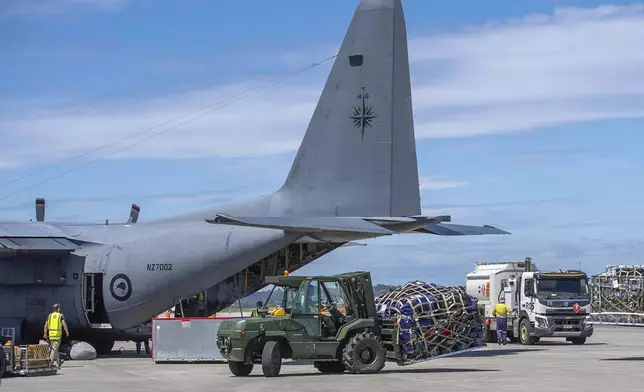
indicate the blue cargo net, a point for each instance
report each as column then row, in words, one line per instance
column 432, row 320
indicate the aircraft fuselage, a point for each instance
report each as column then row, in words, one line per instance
column 139, row 270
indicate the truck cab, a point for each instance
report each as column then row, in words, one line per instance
column 544, row 304
column 551, row 304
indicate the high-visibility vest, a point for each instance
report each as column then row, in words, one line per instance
column 501, row 310
column 55, row 326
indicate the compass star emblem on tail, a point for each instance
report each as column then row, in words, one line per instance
column 362, row 114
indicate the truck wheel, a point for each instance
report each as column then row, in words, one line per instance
column 240, row 369
column 364, row 354
column 578, row 340
column 524, row 333
column 271, row 359
column 329, row 367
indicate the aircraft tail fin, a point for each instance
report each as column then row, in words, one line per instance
column 358, row 156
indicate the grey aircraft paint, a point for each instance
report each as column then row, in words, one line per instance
column 355, row 176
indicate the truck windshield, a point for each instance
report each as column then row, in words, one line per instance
column 562, row 288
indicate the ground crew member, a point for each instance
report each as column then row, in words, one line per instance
column 501, row 311
column 53, row 332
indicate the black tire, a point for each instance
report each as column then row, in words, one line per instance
column 103, row 347
column 578, row 341
column 3, row 362
column 364, row 354
column 335, row 367
column 524, row 337
column 240, row 369
column 271, row 359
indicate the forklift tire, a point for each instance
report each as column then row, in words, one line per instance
column 240, row 369
column 524, row 333
column 3, row 363
column 335, row 367
column 364, row 354
column 271, row 359
column 578, row 340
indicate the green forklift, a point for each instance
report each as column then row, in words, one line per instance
column 333, row 322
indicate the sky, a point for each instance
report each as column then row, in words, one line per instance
column 528, row 117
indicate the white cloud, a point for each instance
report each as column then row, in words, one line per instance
column 447, row 260
column 437, row 182
column 576, row 65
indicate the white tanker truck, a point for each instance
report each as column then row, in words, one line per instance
column 544, row 304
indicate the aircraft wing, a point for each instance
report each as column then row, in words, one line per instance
column 33, row 236
column 305, row 225
column 452, row 229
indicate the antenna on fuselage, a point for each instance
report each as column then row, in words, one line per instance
column 40, row 210
column 134, row 214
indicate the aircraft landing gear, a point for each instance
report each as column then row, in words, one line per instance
column 103, row 347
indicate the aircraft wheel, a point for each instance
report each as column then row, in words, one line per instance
column 240, row 369
column 329, row 367
column 364, row 354
column 103, row 347
column 271, row 359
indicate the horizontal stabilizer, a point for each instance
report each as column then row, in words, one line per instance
column 305, row 225
column 452, row 229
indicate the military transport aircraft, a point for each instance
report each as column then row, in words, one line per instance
column 354, row 177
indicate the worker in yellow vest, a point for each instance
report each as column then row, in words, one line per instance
column 53, row 332
column 501, row 311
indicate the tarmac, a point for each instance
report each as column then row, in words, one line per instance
column 611, row 360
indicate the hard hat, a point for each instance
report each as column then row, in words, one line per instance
column 285, row 272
